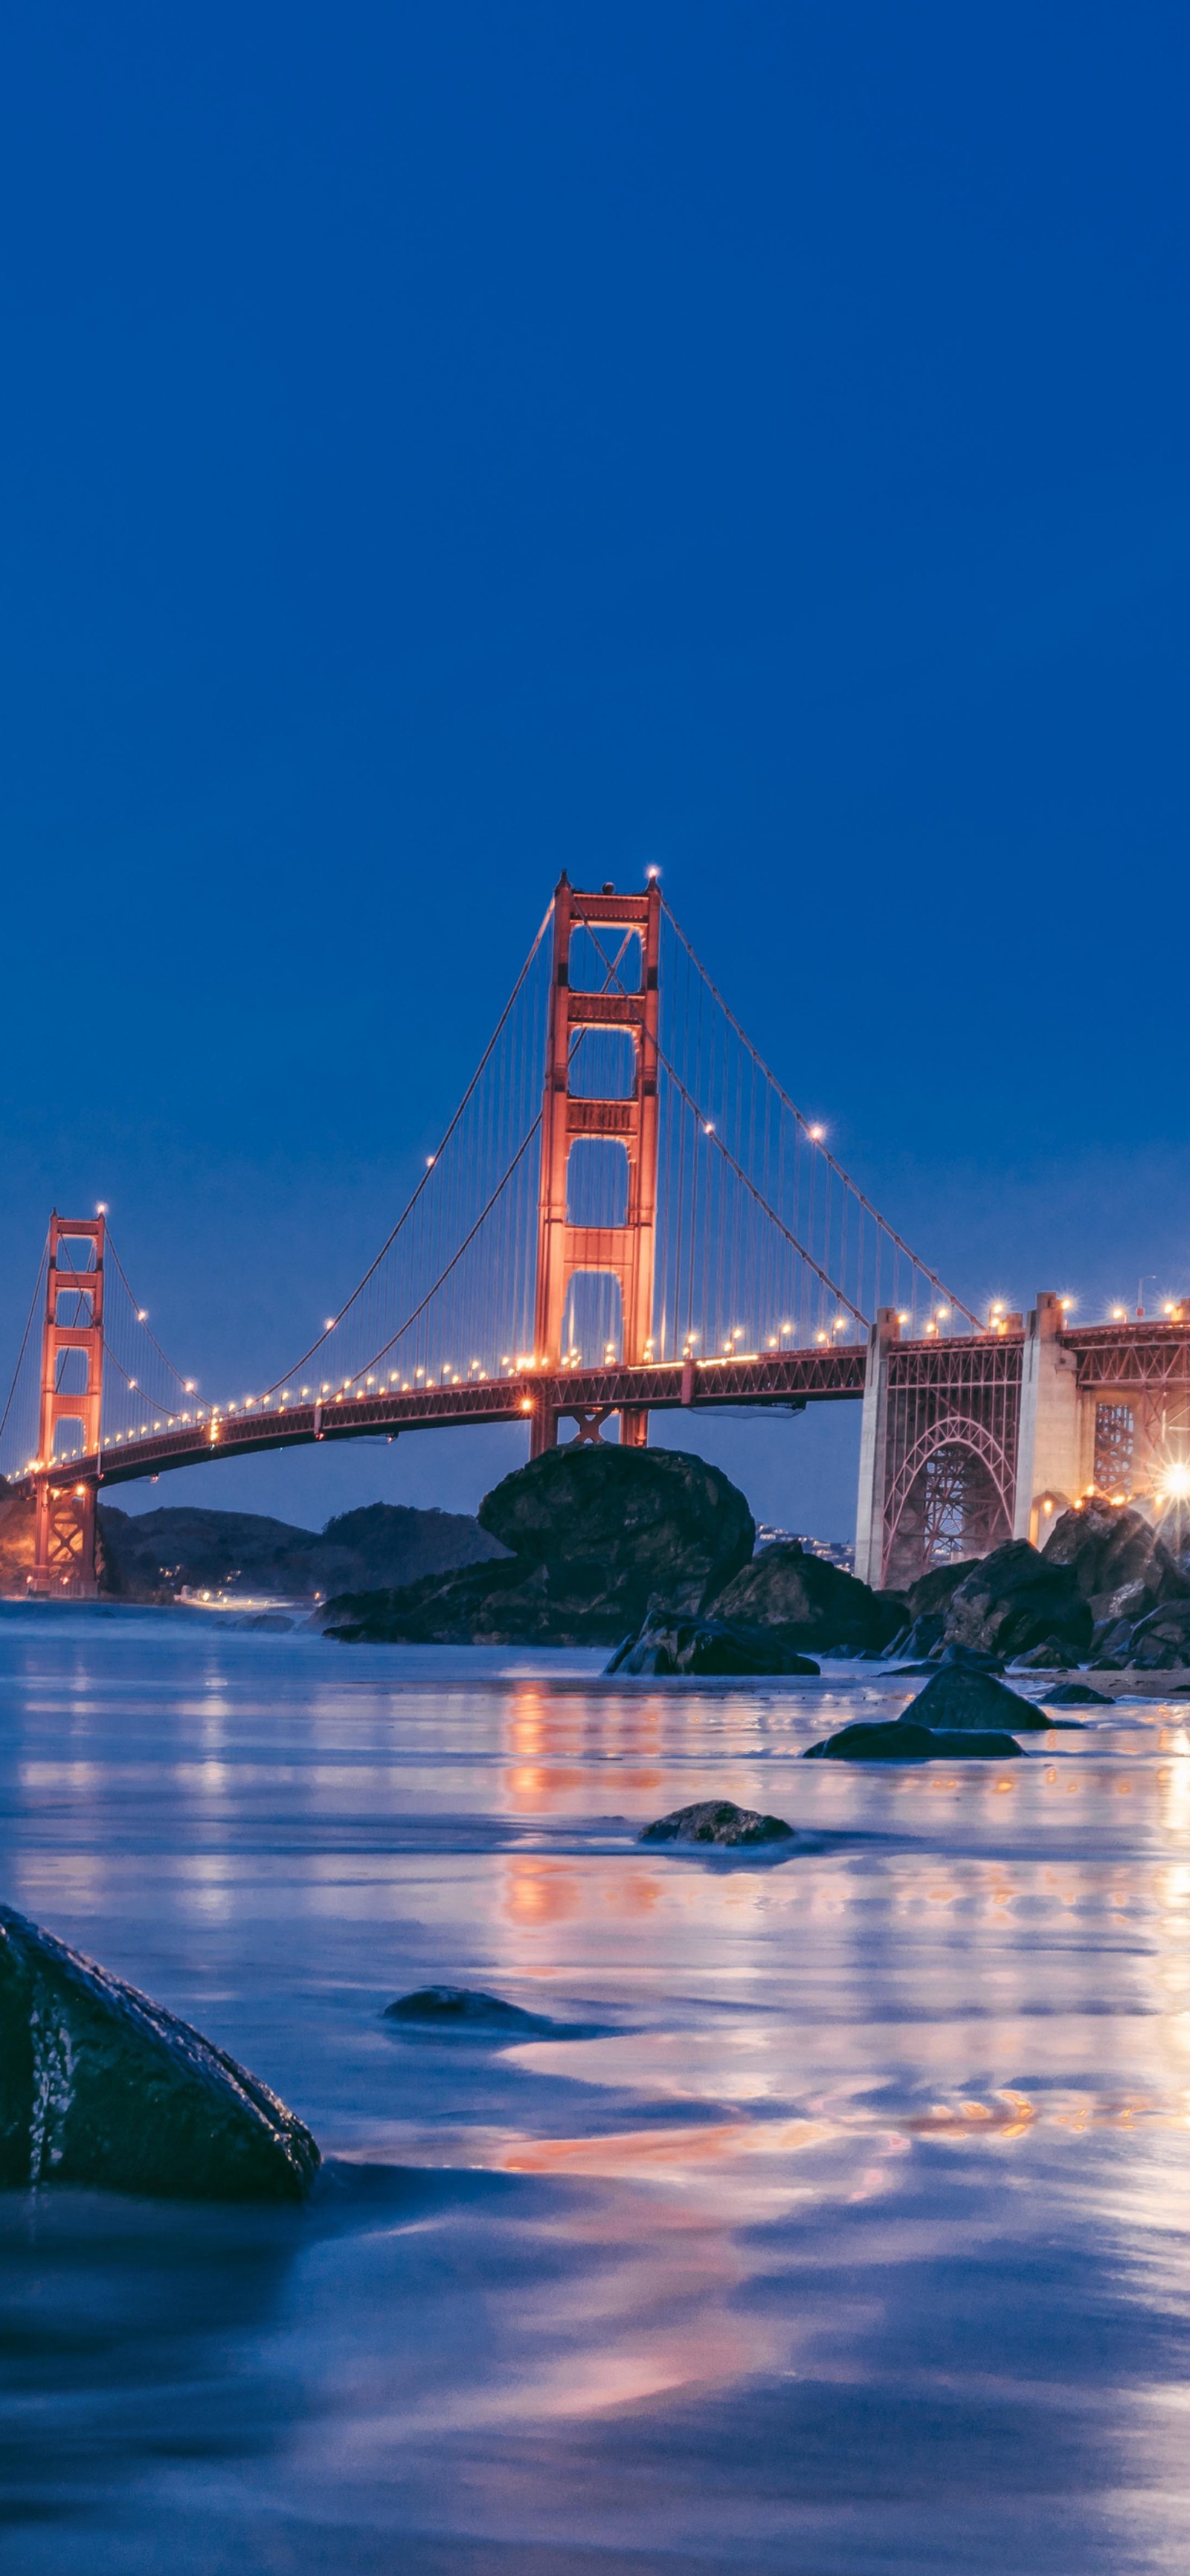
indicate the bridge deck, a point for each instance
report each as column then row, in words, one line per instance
column 768, row 1378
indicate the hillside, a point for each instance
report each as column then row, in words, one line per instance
column 152, row 1556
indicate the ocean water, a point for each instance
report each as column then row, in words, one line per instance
column 842, row 2228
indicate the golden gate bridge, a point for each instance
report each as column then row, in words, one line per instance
column 627, row 1213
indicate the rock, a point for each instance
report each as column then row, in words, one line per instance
column 669, row 1644
column 931, row 1595
column 465, row 2008
column 1121, row 1566
column 600, row 1534
column 1049, row 1657
column 1015, row 1599
column 923, row 1636
column 104, row 2089
column 1160, row 1643
column 957, row 1697
column 717, row 1821
column 813, row 1604
column 901, row 1740
column 654, row 1517
column 1078, row 1695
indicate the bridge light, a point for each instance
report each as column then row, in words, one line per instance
column 329, row 1325
column 1175, row 1483
column 708, row 1127
column 1065, row 1302
column 772, row 1341
column 1119, row 1314
column 430, row 1161
column 822, row 1337
column 526, row 1404
column 652, row 872
column 132, row 1382
column 817, row 1134
column 904, row 1319
column 101, row 1210
column 189, row 1386
column 142, row 1314
column 943, row 1314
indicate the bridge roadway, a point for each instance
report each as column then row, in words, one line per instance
column 769, row 1378
column 1145, row 1363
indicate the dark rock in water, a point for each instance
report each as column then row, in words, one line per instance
column 717, row 1821
column 271, row 1622
column 103, row 2088
column 465, row 2008
column 1078, row 1695
column 1121, row 1566
column 901, row 1740
column 811, row 1603
column 959, row 1698
column 969, row 1659
column 1015, row 1598
column 909, row 1672
column 598, row 1534
column 668, row 1643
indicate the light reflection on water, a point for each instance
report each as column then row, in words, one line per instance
column 851, row 2237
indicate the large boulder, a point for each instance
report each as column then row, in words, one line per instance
column 598, row 1536
column 1120, row 1565
column 655, row 1518
column 667, row 1643
column 1015, row 1599
column 959, row 1697
column 102, row 2088
column 900, row 1739
column 811, row 1603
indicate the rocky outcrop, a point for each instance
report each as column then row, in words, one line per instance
column 1157, row 1643
column 102, row 2088
column 1014, row 1600
column 716, row 1820
column 599, row 1535
column 957, row 1697
column 667, row 1644
column 901, row 1739
column 1120, row 1565
column 810, row 1603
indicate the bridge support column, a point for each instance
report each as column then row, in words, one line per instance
column 64, row 1543
column 873, row 1449
column 1047, row 1458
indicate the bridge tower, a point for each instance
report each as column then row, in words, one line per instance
column 625, row 1251
column 64, row 1546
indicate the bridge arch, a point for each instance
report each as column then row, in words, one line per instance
column 952, row 1496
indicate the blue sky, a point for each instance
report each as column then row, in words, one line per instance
column 443, row 444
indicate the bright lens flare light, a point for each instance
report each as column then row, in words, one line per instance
column 1175, row 1483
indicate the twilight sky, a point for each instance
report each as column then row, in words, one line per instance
column 445, row 443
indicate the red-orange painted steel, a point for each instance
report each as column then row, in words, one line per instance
column 64, row 1548
column 625, row 1251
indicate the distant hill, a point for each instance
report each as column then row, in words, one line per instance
column 152, row 1556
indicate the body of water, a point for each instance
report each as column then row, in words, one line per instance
column 841, row 2228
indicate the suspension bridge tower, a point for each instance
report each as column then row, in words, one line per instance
column 71, row 1392
column 626, row 1251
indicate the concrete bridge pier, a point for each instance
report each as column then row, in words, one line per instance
column 1049, row 1442
column 873, row 1449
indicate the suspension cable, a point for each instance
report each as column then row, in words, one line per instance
column 803, row 1122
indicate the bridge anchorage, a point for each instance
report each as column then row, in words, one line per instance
column 627, row 1214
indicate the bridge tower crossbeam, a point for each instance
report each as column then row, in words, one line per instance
column 626, row 1252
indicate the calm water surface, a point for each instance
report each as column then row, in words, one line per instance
column 851, row 2234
